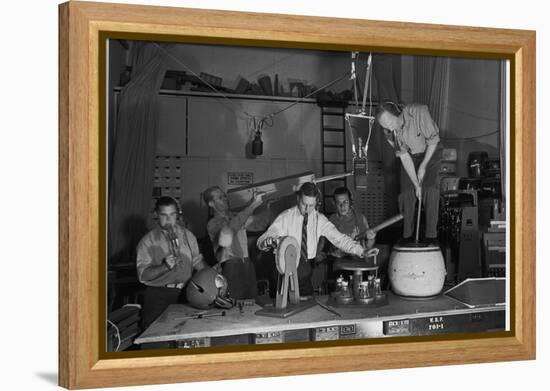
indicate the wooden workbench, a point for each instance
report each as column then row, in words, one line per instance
column 401, row 317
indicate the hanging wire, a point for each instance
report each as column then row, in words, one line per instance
column 117, row 331
column 310, row 94
column 362, row 111
column 264, row 119
column 371, row 121
column 367, row 81
column 354, row 63
column 231, row 103
column 353, row 151
column 370, row 93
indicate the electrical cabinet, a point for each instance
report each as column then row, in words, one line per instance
column 494, row 254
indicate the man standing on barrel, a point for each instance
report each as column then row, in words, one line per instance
column 414, row 136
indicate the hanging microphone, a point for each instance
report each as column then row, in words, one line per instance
column 257, row 144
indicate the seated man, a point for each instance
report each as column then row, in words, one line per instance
column 166, row 257
column 227, row 233
column 307, row 225
column 350, row 221
column 353, row 223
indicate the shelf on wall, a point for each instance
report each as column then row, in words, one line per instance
column 232, row 96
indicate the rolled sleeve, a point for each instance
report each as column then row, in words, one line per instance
column 343, row 242
column 144, row 259
column 275, row 230
column 428, row 127
column 196, row 256
column 400, row 152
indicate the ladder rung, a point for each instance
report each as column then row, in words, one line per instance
column 331, row 129
column 333, row 146
column 340, row 114
column 333, row 162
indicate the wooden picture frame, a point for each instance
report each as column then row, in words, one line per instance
column 82, row 191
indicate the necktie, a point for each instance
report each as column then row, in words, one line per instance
column 303, row 248
column 396, row 143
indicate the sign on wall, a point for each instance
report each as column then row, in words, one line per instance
column 240, row 178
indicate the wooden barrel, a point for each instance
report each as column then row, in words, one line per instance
column 417, row 270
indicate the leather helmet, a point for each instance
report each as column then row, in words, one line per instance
column 208, row 288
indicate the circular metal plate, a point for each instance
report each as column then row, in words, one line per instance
column 287, row 252
column 354, row 264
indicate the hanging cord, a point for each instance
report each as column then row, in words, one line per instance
column 367, row 83
column 117, row 334
column 299, row 100
column 222, row 95
column 368, row 87
column 371, row 121
column 255, row 124
column 269, row 117
column 353, row 151
column 354, row 62
column 263, row 119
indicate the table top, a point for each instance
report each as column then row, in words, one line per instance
column 174, row 323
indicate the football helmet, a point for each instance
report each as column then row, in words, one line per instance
column 207, row 288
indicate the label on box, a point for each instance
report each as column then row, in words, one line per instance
column 193, row 343
column 330, row 333
column 348, row 329
column 268, row 337
column 397, row 327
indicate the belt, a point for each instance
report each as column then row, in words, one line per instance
column 179, row 285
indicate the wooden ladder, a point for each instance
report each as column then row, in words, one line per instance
column 332, row 138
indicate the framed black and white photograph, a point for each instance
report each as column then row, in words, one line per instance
column 223, row 137
column 250, row 188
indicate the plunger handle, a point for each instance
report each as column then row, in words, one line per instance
column 418, row 216
column 384, row 224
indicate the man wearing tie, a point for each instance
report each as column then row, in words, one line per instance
column 307, row 225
